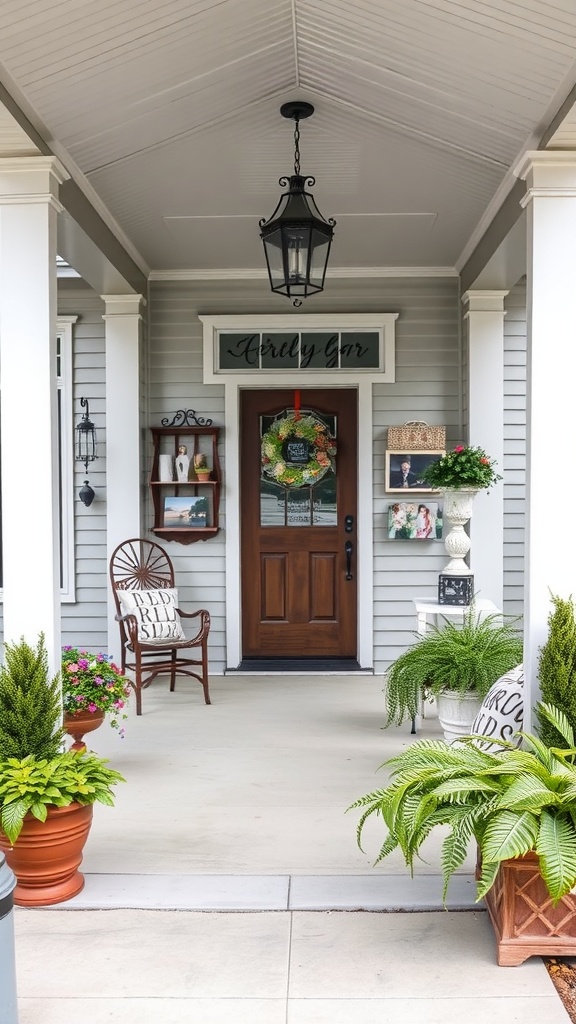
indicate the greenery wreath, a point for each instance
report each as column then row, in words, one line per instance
column 297, row 450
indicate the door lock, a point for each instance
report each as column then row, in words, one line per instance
column 348, row 524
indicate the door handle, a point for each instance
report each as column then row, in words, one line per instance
column 348, row 549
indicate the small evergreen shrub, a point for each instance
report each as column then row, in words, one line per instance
column 557, row 667
column 30, row 708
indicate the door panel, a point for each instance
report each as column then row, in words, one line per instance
column 296, row 598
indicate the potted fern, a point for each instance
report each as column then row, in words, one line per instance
column 519, row 806
column 46, row 795
column 457, row 665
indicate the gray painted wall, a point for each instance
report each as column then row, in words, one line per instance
column 84, row 622
column 428, row 371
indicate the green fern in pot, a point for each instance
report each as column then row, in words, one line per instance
column 451, row 657
column 513, row 803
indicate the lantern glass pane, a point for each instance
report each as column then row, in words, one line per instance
column 319, row 258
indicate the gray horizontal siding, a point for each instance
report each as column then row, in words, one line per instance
column 84, row 623
column 428, row 372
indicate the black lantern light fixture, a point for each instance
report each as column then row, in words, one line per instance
column 86, row 449
column 296, row 237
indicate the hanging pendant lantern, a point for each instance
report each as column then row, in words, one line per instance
column 296, row 237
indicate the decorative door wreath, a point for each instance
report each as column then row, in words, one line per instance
column 297, row 450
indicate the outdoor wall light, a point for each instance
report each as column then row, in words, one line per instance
column 86, row 449
column 296, row 237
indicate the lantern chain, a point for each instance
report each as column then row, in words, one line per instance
column 297, row 147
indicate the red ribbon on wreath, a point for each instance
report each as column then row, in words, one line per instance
column 296, row 405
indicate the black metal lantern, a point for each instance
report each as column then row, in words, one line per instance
column 86, row 449
column 296, row 237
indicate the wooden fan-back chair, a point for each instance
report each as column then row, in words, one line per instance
column 152, row 638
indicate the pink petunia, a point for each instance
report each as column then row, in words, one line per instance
column 72, row 668
column 92, row 708
column 459, row 448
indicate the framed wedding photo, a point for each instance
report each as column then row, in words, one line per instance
column 404, row 471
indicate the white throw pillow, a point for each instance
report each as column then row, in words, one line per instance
column 155, row 611
column 501, row 713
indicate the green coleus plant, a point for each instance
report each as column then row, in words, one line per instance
column 511, row 803
column 32, row 785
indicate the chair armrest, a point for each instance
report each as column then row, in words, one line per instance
column 131, row 623
column 204, row 623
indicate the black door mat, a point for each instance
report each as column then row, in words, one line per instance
column 343, row 665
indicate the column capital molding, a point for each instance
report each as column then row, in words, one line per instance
column 124, row 306
column 484, row 301
column 31, row 179
column 549, row 173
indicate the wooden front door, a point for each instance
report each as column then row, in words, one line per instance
column 298, row 554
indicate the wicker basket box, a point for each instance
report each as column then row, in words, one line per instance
column 416, row 434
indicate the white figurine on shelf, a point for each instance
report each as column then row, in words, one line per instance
column 182, row 463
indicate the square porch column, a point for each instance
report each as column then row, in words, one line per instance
column 550, row 561
column 29, row 206
column 123, row 318
column 484, row 315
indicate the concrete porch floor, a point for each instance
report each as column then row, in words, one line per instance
column 217, row 888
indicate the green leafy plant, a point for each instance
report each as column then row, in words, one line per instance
column 92, row 682
column 200, row 461
column 462, row 467
column 557, row 666
column 30, row 709
column 32, row 784
column 512, row 802
column 462, row 658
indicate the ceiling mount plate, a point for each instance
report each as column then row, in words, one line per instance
column 297, row 110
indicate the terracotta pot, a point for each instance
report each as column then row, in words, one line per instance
column 47, row 854
column 203, row 475
column 524, row 920
column 77, row 723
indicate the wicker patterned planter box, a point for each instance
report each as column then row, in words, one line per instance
column 525, row 922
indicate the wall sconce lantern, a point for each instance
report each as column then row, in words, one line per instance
column 296, row 237
column 86, row 449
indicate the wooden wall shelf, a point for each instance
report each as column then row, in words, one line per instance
column 197, row 439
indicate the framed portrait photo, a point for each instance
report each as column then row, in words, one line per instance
column 404, row 470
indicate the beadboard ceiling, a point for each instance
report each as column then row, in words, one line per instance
column 167, row 112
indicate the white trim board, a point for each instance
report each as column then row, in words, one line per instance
column 232, row 385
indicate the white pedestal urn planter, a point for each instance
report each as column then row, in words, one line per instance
column 456, row 713
column 458, row 511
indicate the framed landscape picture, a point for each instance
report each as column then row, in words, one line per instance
column 404, row 470
column 181, row 512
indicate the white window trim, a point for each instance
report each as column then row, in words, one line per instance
column 384, row 323
column 65, row 386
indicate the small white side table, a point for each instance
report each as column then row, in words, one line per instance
column 425, row 608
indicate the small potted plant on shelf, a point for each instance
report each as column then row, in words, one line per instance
column 456, row 664
column 46, row 795
column 201, row 467
column 93, row 688
column 520, row 808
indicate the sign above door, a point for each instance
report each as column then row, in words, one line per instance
column 332, row 346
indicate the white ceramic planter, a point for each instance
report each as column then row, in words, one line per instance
column 456, row 713
column 458, row 510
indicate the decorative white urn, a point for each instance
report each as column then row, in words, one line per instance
column 457, row 510
column 456, row 713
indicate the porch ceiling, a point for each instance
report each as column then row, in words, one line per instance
column 170, row 112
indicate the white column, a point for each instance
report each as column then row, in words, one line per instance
column 123, row 318
column 30, row 505
column 485, row 320
column 550, row 559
